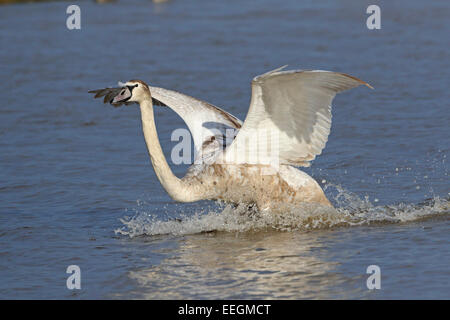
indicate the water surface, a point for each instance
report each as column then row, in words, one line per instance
column 77, row 187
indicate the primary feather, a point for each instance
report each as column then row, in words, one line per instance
column 293, row 110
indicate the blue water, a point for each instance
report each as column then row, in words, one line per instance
column 77, row 187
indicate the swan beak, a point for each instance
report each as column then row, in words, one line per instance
column 123, row 96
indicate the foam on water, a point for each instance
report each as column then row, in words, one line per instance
column 350, row 211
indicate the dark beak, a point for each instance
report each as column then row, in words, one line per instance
column 123, row 96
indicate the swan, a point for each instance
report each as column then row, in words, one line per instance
column 293, row 110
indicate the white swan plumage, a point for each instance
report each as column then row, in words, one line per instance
column 233, row 163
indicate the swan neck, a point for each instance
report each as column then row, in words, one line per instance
column 172, row 184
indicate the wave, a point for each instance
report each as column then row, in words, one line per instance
column 350, row 210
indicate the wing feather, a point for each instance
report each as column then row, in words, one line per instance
column 109, row 94
column 211, row 127
column 289, row 118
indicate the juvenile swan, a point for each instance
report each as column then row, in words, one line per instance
column 249, row 162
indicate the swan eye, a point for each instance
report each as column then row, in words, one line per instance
column 132, row 87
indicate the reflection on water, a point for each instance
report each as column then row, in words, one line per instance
column 325, row 264
column 236, row 254
column 251, row 265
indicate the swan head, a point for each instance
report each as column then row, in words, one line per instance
column 132, row 91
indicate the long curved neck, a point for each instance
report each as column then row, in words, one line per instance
column 174, row 186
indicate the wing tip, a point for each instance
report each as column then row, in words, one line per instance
column 358, row 80
column 271, row 72
column 97, row 92
column 262, row 76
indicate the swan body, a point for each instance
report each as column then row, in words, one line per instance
column 251, row 184
column 233, row 163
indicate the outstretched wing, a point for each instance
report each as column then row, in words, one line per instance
column 289, row 118
column 109, row 94
column 212, row 128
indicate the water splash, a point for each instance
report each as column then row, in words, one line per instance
column 350, row 210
